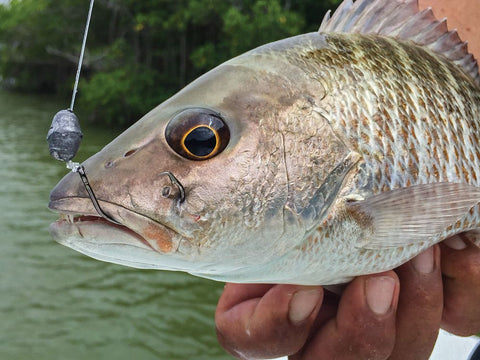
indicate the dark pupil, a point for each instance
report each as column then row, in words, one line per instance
column 201, row 141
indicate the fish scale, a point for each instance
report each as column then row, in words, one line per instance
column 383, row 131
column 435, row 140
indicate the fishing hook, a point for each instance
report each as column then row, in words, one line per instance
column 83, row 175
column 177, row 183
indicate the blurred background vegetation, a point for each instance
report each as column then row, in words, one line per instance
column 138, row 52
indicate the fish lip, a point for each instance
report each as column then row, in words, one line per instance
column 84, row 219
column 129, row 247
column 84, row 212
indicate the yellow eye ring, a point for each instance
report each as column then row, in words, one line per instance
column 191, row 132
column 197, row 134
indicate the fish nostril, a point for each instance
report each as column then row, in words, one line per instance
column 166, row 191
column 108, row 164
column 130, row 152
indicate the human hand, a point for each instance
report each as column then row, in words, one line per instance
column 372, row 319
column 461, row 283
column 345, row 327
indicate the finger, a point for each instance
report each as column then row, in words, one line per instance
column 364, row 327
column 234, row 294
column 328, row 310
column 461, row 270
column 259, row 321
column 420, row 306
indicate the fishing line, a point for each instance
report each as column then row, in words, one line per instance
column 65, row 135
column 82, row 53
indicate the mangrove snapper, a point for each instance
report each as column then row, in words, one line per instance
column 309, row 160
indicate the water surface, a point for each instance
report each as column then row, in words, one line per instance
column 58, row 304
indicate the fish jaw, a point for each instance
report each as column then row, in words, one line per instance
column 92, row 236
column 144, row 244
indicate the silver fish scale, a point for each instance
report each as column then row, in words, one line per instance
column 414, row 121
column 413, row 116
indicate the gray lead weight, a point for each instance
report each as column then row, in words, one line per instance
column 64, row 135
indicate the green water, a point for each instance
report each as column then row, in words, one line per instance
column 58, row 304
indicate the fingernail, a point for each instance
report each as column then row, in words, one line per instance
column 379, row 292
column 302, row 304
column 424, row 262
column 455, row 242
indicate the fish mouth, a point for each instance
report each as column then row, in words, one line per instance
column 68, row 219
column 136, row 241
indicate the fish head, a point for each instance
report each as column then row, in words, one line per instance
column 213, row 180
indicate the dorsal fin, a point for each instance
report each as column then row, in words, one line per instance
column 402, row 19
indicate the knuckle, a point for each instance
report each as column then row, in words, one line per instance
column 471, row 267
column 222, row 326
column 226, row 344
column 461, row 329
column 259, row 340
column 375, row 343
column 461, row 324
column 378, row 350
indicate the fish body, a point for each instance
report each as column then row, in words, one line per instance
column 309, row 160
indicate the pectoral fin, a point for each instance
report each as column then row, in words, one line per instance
column 414, row 214
column 324, row 197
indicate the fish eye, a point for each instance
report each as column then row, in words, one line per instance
column 197, row 134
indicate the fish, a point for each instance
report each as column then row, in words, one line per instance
column 310, row 160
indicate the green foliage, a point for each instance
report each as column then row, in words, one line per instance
column 264, row 22
column 245, row 27
column 138, row 52
column 118, row 96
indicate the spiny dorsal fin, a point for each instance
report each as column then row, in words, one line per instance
column 402, row 19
